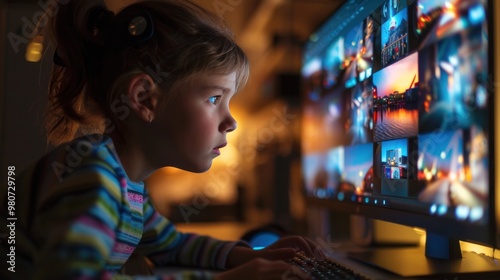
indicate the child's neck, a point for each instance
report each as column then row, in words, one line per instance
column 134, row 162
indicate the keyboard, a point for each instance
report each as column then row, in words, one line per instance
column 325, row 269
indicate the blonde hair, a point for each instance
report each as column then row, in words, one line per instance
column 92, row 72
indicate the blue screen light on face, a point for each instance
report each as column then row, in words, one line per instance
column 263, row 239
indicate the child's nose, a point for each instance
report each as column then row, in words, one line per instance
column 229, row 124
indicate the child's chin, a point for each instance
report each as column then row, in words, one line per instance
column 201, row 168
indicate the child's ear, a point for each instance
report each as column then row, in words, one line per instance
column 143, row 97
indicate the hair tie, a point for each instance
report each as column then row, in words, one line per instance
column 118, row 32
column 107, row 31
column 136, row 26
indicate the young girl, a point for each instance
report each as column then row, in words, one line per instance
column 131, row 92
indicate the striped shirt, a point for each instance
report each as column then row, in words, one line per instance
column 79, row 216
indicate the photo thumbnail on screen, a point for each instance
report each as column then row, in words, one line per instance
column 339, row 117
column 357, row 176
column 395, row 168
column 326, row 122
column 358, row 110
column 437, row 19
column 453, row 86
column 323, row 171
column 391, row 8
column 394, row 36
column 358, row 54
column 340, row 172
column 395, row 101
column 453, row 168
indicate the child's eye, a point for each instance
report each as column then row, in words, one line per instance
column 214, row 99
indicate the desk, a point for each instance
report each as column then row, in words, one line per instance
column 414, row 261
column 340, row 252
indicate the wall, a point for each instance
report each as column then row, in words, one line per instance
column 22, row 89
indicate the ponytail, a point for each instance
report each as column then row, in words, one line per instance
column 70, row 111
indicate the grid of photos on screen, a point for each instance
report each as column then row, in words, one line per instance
column 397, row 106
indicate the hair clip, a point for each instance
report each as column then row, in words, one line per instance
column 134, row 27
column 128, row 28
column 137, row 26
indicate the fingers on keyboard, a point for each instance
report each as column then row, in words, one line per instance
column 321, row 269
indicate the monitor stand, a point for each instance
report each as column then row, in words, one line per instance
column 441, row 256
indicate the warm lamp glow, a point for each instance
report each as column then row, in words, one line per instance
column 34, row 49
column 229, row 156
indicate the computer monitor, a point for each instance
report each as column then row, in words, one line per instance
column 400, row 117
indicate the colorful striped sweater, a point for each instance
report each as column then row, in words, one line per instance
column 80, row 217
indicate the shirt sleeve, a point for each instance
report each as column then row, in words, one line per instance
column 76, row 224
column 164, row 245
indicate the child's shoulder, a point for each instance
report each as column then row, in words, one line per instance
column 85, row 167
column 89, row 152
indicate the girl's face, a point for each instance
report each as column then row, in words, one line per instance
column 190, row 129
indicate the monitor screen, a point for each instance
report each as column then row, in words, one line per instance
column 398, row 119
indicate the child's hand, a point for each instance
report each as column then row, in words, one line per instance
column 241, row 255
column 299, row 244
column 282, row 250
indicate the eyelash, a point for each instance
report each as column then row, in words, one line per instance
column 214, row 99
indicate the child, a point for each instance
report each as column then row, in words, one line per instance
column 130, row 93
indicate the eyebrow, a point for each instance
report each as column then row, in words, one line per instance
column 215, row 87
